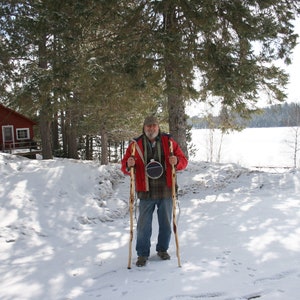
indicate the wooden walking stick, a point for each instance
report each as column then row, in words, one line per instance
column 174, row 206
column 131, row 206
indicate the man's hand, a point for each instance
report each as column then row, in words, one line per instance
column 130, row 162
column 173, row 160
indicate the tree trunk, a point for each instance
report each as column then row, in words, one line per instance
column 45, row 112
column 71, row 134
column 55, row 135
column 72, row 142
column 174, row 88
column 104, row 146
column 64, row 133
column 45, row 129
column 88, row 147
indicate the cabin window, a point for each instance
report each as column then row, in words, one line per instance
column 23, row 134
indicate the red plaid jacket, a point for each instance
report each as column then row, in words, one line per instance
column 141, row 180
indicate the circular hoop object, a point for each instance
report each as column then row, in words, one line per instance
column 154, row 169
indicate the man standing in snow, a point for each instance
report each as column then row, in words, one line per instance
column 153, row 163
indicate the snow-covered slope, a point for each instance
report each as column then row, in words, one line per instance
column 64, row 232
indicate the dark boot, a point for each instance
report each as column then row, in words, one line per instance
column 164, row 255
column 141, row 261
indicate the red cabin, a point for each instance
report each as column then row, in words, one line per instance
column 16, row 130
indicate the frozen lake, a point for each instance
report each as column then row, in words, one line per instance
column 269, row 147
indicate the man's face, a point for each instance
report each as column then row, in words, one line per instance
column 151, row 131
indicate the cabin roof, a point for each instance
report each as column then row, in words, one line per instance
column 11, row 111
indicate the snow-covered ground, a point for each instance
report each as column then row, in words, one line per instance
column 64, row 232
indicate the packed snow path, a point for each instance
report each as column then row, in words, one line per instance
column 65, row 229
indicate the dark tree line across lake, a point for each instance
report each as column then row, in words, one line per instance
column 280, row 115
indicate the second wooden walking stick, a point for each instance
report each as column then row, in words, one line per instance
column 174, row 198
column 131, row 206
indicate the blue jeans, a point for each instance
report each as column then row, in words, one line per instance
column 144, row 225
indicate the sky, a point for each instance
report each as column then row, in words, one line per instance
column 64, row 230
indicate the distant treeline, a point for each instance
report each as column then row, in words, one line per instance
column 280, row 115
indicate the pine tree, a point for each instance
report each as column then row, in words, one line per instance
column 232, row 44
column 98, row 67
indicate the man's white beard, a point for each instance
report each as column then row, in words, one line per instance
column 151, row 136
